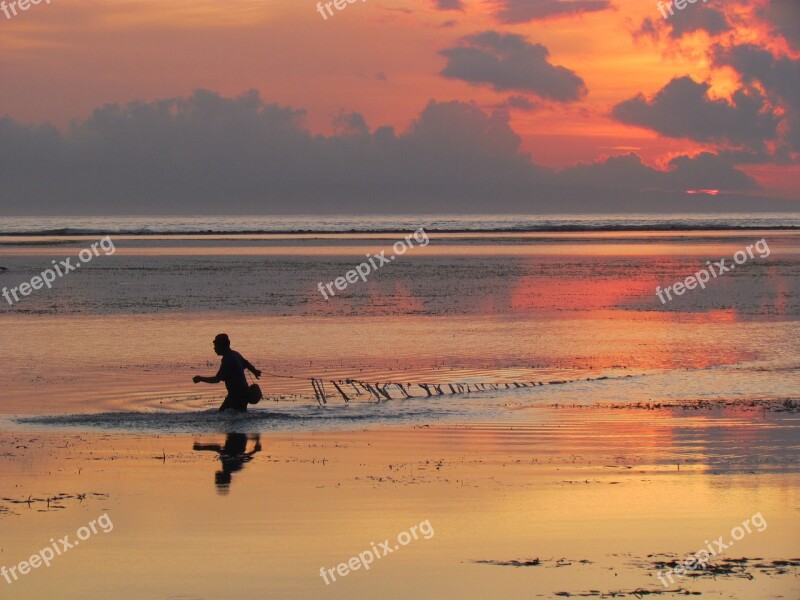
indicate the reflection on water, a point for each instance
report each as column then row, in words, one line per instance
column 232, row 455
column 554, row 306
column 605, row 486
column 476, row 276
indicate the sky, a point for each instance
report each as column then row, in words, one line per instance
column 398, row 106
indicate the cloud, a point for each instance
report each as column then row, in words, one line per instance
column 683, row 109
column 681, row 22
column 522, row 103
column 784, row 17
column 209, row 154
column 762, row 117
column 699, row 17
column 449, row 4
column 704, row 171
column 523, row 11
column 350, row 124
column 648, row 28
column 707, row 171
column 507, row 61
column 779, row 77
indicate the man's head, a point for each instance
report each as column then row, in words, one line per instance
column 222, row 479
column 222, row 343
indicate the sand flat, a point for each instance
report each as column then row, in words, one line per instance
column 596, row 485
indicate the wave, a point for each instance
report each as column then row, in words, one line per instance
column 262, row 225
column 306, row 417
column 561, row 229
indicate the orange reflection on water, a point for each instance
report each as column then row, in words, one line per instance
column 571, row 293
column 722, row 315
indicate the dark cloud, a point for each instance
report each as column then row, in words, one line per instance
column 707, row 171
column 349, row 124
column 762, row 119
column 507, row 61
column 614, row 172
column 208, row 154
column 522, row 103
column 648, row 28
column 692, row 18
column 779, row 77
column 211, row 152
column 784, row 17
column 699, row 17
column 449, row 4
column 523, row 11
column 682, row 109
column 704, row 171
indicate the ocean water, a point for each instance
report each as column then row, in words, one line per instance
column 369, row 223
column 117, row 342
column 655, row 427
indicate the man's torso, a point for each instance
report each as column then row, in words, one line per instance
column 231, row 371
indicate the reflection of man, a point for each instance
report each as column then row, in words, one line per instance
column 231, row 371
column 232, row 456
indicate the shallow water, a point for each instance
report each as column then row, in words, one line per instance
column 129, row 331
column 657, row 426
column 596, row 495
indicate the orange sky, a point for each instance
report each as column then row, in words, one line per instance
column 380, row 58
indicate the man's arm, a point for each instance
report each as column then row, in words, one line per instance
column 212, row 447
column 251, row 368
column 215, row 379
column 257, row 448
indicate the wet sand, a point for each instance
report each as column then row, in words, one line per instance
column 597, row 495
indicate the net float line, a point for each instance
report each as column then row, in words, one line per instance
column 380, row 391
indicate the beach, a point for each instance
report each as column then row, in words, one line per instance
column 440, row 300
column 620, row 433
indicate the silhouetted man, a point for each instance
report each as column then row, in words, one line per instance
column 231, row 371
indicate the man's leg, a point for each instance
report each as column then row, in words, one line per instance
column 234, row 403
column 240, row 403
